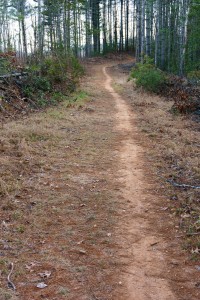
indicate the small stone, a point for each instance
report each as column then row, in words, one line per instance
column 82, row 252
column 41, row 285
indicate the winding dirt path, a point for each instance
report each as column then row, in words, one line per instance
column 101, row 236
column 143, row 278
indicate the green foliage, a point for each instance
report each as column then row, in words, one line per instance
column 148, row 76
column 194, row 75
column 110, row 48
column 55, row 77
column 78, row 99
column 4, row 66
column 58, row 68
column 152, row 81
column 57, row 97
column 41, row 83
column 41, row 100
column 54, row 69
column 20, row 229
column 193, row 45
column 77, row 68
column 35, row 88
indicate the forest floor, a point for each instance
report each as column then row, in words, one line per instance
column 83, row 214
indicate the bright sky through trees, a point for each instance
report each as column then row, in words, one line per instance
column 167, row 31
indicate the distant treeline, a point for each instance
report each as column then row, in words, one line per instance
column 166, row 30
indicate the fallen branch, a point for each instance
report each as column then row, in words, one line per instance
column 187, row 234
column 10, row 283
column 31, row 102
column 2, row 108
column 179, row 184
column 6, row 76
column 9, row 102
column 183, row 185
column 194, row 233
column 5, row 111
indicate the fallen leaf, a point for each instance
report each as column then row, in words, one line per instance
column 184, row 216
column 45, row 275
column 31, row 265
column 174, row 262
column 164, row 208
column 81, row 242
column 195, row 251
column 197, row 285
column 154, row 244
column 82, row 251
column 4, row 225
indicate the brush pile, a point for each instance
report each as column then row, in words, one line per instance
column 12, row 99
column 12, row 79
column 36, row 84
column 185, row 93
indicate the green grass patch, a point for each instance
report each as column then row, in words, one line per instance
column 63, row 291
column 56, row 114
column 78, row 99
column 37, row 137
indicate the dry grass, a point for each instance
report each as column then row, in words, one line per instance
column 23, row 144
column 173, row 144
column 55, row 203
column 58, row 198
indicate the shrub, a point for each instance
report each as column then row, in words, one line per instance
column 55, row 77
column 152, row 80
column 54, row 69
column 4, row 66
column 59, row 68
column 35, row 85
column 77, row 68
column 194, row 76
column 148, row 76
column 41, row 83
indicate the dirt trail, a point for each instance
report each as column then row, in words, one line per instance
column 101, row 234
column 143, row 276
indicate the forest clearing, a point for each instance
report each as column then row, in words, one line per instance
column 99, row 150
column 85, row 210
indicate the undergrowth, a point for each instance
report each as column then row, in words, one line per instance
column 173, row 146
column 56, row 76
column 146, row 75
column 41, row 84
column 183, row 91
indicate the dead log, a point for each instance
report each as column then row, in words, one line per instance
column 31, row 102
column 180, row 185
column 183, row 185
column 11, row 75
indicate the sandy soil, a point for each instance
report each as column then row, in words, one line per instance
column 86, row 217
column 143, row 278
